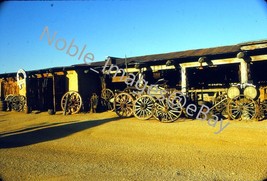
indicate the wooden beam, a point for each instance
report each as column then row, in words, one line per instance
column 253, row 47
column 258, row 58
column 244, row 71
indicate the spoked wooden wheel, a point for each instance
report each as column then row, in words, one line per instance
column 108, row 98
column 123, row 105
column 143, row 107
column 242, row 108
column 18, row 103
column 261, row 111
column 71, row 102
column 167, row 111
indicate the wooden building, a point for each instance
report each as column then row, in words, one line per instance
column 211, row 70
column 202, row 68
column 44, row 88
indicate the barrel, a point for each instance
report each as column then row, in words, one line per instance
column 251, row 92
column 3, row 106
column 233, row 92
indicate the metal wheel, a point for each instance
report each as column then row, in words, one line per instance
column 71, row 102
column 123, row 105
column 242, row 108
column 143, row 107
column 167, row 112
column 107, row 99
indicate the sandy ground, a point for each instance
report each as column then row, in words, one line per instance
column 103, row 147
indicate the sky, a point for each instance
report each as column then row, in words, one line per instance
column 121, row 28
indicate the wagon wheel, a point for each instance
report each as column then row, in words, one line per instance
column 143, row 107
column 8, row 100
column 22, row 102
column 242, row 108
column 220, row 102
column 71, row 102
column 9, row 97
column 18, row 102
column 167, row 112
column 262, row 110
column 123, row 105
column 108, row 98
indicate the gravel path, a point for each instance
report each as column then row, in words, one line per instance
column 103, row 147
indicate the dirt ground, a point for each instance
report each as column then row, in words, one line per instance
column 101, row 146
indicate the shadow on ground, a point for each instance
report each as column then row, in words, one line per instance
column 39, row 134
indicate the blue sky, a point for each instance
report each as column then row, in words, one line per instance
column 122, row 28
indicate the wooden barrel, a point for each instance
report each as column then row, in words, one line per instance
column 252, row 92
column 233, row 92
column 3, row 106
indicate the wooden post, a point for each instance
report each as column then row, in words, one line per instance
column 243, row 71
column 1, row 92
column 183, row 80
column 54, row 94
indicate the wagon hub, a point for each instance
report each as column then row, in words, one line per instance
column 143, row 106
column 123, row 105
column 165, row 109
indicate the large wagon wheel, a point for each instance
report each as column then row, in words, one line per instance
column 71, row 102
column 18, row 103
column 242, row 108
column 108, row 98
column 143, row 107
column 167, row 111
column 123, row 105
